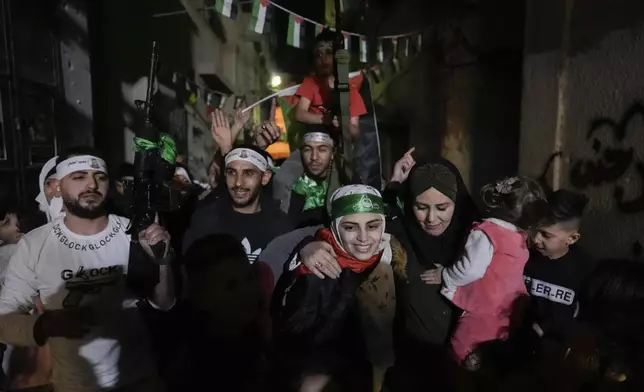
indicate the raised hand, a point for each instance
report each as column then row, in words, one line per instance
column 221, row 131
column 241, row 118
column 403, row 167
column 266, row 134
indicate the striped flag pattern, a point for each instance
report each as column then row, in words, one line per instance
column 258, row 19
column 294, row 31
column 224, row 7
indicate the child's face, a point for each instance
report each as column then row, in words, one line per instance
column 323, row 53
column 553, row 241
column 9, row 231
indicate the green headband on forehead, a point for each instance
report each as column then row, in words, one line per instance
column 356, row 204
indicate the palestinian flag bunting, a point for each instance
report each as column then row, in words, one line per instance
column 258, row 20
column 294, row 31
column 224, row 7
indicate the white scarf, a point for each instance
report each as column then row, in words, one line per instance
column 54, row 208
column 359, row 190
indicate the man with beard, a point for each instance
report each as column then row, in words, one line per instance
column 77, row 266
column 244, row 211
column 304, row 196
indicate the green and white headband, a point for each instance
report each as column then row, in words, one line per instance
column 355, row 199
column 247, row 155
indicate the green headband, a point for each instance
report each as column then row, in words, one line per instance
column 356, row 204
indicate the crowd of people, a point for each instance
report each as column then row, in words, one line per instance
column 293, row 277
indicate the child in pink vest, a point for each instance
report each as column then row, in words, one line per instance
column 487, row 279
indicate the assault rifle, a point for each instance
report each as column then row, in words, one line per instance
column 154, row 165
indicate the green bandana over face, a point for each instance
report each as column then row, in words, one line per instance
column 356, row 204
column 314, row 193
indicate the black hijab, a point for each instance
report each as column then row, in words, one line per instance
column 445, row 248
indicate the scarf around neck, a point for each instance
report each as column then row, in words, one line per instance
column 314, row 193
column 345, row 260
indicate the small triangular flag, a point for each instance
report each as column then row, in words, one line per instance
column 224, row 7
column 294, row 31
column 258, row 20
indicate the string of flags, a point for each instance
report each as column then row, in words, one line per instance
column 395, row 45
column 297, row 27
column 212, row 98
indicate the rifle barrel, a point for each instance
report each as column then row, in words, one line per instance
column 151, row 78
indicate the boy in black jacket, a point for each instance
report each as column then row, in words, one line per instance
column 557, row 267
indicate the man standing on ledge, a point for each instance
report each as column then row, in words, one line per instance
column 77, row 265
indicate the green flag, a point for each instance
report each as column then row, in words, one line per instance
column 294, row 128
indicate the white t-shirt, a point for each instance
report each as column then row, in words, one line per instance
column 70, row 270
column 5, row 255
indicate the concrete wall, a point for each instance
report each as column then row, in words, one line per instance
column 461, row 96
column 583, row 81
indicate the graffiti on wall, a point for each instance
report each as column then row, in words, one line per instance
column 613, row 162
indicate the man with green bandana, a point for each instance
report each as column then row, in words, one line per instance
column 304, row 199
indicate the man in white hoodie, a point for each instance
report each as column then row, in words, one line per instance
column 49, row 200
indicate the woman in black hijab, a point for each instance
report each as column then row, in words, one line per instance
column 431, row 212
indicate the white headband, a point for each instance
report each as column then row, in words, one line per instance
column 320, row 137
column 80, row 163
column 181, row 172
column 248, row 155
